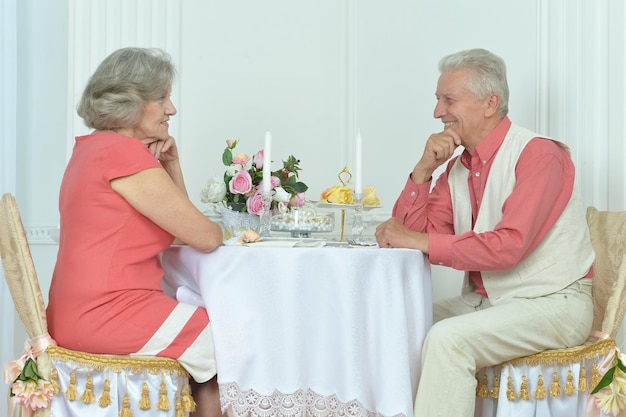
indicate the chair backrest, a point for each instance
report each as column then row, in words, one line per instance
column 608, row 237
column 19, row 269
column 163, row 375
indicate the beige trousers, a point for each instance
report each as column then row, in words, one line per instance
column 469, row 334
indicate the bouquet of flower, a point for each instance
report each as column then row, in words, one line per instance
column 610, row 394
column 27, row 386
column 240, row 188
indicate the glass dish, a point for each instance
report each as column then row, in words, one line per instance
column 321, row 204
column 302, row 222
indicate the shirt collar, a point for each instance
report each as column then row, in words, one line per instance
column 488, row 147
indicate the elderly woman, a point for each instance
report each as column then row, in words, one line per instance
column 122, row 201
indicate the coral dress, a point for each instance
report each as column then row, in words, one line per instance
column 105, row 295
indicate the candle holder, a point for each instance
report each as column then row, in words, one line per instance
column 356, row 203
column 266, row 216
column 345, row 172
column 357, row 224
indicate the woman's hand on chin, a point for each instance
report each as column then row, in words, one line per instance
column 164, row 150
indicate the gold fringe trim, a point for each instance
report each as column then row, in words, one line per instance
column 566, row 356
column 540, row 391
column 105, row 399
column 595, row 375
column 179, row 408
column 70, row 394
column 189, row 405
column 54, row 380
column 125, row 411
column 590, row 351
column 524, row 390
column 164, row 403
column 118, row 363
column 582, row 379
column 123, row 365
column 495, row 390
column 510, row 392
column 569, row 385
column 483, row 391
column 144, row 402
column 555, row 387
column 88, row 396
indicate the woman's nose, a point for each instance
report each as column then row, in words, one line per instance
column 171, row 109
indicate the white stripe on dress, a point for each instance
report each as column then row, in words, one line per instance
column 168, row 331
column 199, row 358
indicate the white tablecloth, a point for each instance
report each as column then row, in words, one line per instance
column 311, row 331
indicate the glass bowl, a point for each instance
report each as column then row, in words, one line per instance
column 301, row 222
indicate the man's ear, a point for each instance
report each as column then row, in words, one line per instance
column 492, row 104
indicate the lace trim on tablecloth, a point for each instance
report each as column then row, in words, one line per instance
column 302, row 403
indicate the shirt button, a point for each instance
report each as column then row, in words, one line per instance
column 412, row 193
column 477, row 174
column 440, row 263
column 484, row 162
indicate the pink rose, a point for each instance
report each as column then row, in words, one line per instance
column 231, row 143
column 255, row 203
column 240, row 159
column 258, row 159
column 297, row 200
column 275, row 182
column 241, row 183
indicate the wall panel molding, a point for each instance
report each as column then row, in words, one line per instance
column 349, row 116
column 44, row 235
column 573, row 92
column 98, row 28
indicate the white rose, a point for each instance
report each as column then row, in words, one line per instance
column 233, row 169
column 214, row 191
column 281, row 196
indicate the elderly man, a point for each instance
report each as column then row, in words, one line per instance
column 508, row 213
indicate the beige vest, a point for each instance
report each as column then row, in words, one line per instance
column 564, row 255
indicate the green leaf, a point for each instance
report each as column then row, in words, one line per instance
column 227, row 157
column 605, row 381
column 289, row 182
column 300, row 187
column 620, row 364
column 29, row 371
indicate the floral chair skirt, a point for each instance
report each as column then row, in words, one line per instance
column 117, row 386
column 542, row 385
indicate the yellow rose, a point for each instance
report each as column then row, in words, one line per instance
column 337, row 194
column 370, row 198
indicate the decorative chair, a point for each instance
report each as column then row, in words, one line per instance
column 558, row 383
column 79, row 383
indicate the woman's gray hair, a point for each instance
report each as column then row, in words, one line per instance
column 122, row 84
column 487, row 74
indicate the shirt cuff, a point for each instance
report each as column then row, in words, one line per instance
column 415, row 193
column 440, row 249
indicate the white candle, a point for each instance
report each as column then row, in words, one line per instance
column 267, row 162
column 358, row 188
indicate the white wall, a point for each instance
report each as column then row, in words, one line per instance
column 289, row 69
column 313, row 73
column 8, row 153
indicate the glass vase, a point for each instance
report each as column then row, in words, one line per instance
column 236, row 223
